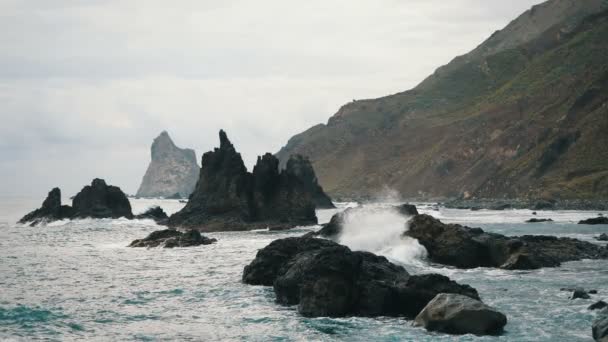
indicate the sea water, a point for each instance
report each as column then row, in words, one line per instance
column 77, row 280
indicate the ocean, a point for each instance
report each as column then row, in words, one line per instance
column 77, row 280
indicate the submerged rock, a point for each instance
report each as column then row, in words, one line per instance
column 227, row 197
column 97, row 200
column 464, row 247
column 170, row 238
column 172, row 172
column 538, row 220
column 155, row 213
column 327, row 279
column 580, row 294
column 596, row 220
column 51, row 210
column 458, row 314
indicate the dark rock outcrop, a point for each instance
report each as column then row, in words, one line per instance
column 301, row 168
column 596, row 220
column 51, row 210
column 600, row 328
column 464, row 247
column 580, row 294
column 457, row 314
column 598, row 305
column 100, row 200
column 538, row 220
column 155, row 213
column 602, row 237
column 227, row 197
column 170, row 238
column 97, row 200
column 327, row 279
column 407, row 209
column 172, row 172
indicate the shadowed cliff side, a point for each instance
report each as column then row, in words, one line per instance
column 228, row 197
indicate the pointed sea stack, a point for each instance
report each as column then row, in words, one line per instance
column 51, row 210
column 301, row 167
column 227, row 197
column 172, row 173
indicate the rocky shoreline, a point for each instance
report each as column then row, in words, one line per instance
column 538, row 204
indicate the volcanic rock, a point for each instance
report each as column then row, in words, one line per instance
column 327, row 279
column 464, row 247
column 301, row 168
column 51, row 210
column 602, row 237
column 538, row 220
column 155, row 213
column 100, row 200
column 172, row 173
column 227, row 197
column 170, row 238
column 600, row 328
column 596, row 220
column 598, row 306
column 458, row 314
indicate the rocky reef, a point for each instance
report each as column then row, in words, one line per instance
column 324, row 278
column 170, row 238
column 155, row 213
column 229, row 198
column 97, row 200
column 464, row 247
column 595, row 220
column 172, row 173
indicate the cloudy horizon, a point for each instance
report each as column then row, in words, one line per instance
column 86, row 86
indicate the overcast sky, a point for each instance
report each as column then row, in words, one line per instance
column 85, row 85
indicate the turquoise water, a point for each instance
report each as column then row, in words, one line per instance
column 77, row 280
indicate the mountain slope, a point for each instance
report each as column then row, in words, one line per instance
column 172, row 170
column 523, row 115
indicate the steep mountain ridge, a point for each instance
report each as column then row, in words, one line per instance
column 522, row 115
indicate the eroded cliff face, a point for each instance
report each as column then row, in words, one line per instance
column 228, row 197
column 173, row 170
column 524, row 115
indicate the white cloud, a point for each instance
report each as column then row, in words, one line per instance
column 86, row 85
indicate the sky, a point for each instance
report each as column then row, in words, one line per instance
column 86, row 85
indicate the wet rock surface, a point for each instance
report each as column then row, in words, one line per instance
column 327, row 279
column 97, row 200
column 170, row 238
column 227, row 197
column 155, row 213
column 464, row 247
column 596, row 220
column 457, row 314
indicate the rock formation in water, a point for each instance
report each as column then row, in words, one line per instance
column 170, row 238
column 172, row 170
column 302, row 168
column 327, row 279
column 458, row 314
column 464, row 247
column 97, row 200
column 599, row 329
column 51, row 210
column 155, row 213
column 228, row 197
column 522, row 116
column 595, row 220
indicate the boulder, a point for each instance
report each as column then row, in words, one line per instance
column 464, row 247
column 596, row 220
column 170, row 238
column 580, row 294
column 407, row 209
column 172, row 172
column 538, row 220
column 51, row 210
column 600, row 328
column 227, row 197
column 327, row 279
column 598, row 305
column 100, row 200
column 155, row 213
column 458, row 314
column 602, row 237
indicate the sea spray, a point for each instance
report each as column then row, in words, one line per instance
column 379, row 229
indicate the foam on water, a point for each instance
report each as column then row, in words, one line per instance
column 77, row 280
